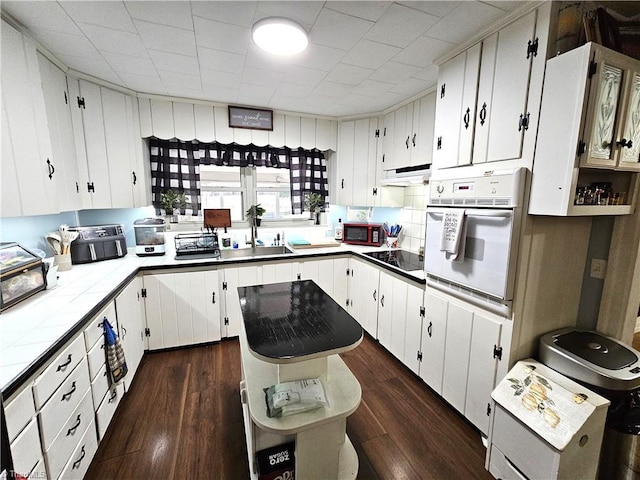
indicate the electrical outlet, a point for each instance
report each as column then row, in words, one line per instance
column 598, row 268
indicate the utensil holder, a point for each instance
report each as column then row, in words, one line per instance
column 392, row 242
column 62, row 261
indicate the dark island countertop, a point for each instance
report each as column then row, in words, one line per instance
column 294, row 321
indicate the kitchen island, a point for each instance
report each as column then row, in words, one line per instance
column 292, row 331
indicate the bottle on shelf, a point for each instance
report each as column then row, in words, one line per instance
column 338, row 230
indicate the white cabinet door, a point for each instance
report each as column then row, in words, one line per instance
column 485, row 340
column 140, row 157
column 434, row 334
column 504, row 88
column 56, row 97
column 26, row 124
column 403, row 132
column 392, row 314
column 278, row 272
column 387, row 134
column 364, row 294
column 182, row 308
column 364, row 168
column 131, row 320
column 413, row 327
column 10, row 205
column 344, row 167
column 231, row 279
column 341, row 281
column 456, row 355
column 424, row 140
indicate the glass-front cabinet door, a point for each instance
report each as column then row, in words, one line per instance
column 612, row 136
column 629, row 137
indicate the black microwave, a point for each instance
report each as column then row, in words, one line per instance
column 363, row 234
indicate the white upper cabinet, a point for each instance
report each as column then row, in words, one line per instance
column 29, row 152
column 502, row 117
column 403, row 132
column 422, row 154
column 588, row 135
column 387, row 136
column 455, row 109
column 345, row 162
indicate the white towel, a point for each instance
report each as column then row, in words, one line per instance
column 453, row 238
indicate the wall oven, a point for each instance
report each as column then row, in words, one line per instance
column 471, row 239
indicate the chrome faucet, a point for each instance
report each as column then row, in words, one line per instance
column 254, row 235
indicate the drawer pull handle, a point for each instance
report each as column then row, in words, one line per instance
column 124, row 333
column 114, row 394
column 61, row 367
column 73, row 429
column 66, row 396
column 382, row 300
column 76, row 464
column 375, row 295
column 430, row 328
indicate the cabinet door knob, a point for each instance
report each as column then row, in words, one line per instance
column 430, row 328
column 135, row 178
column 625, row 143
column 413, row 140
column 382, row 300
column 406, row 142
column 483, row 113
column 375, row 295
column 51, row 169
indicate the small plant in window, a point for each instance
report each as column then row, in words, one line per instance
column 172, row 200
column 254, row 214
column 314, row 202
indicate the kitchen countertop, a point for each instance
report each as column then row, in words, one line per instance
column 33, row 330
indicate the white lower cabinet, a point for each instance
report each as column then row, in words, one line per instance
column 130, row 310
column 230, row 279
column 107, row 408
column 413, row 327
column 25, row 449
column 81, row 457
column 363, row 294
column 182, row 308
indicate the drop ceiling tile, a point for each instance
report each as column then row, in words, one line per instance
column 355, row 100
column 98, row 68
column 348, row 74
column 127, row 64
column 174, row 62
column 422, row 51
column 111, row 15
column 332, row 89
column 507, row 6
column 235, row 13
column 437, row 8
column 221, row 94
column 369, row 54
column 294, row 91
column 316, row 100
column 47, row 15
column 61, row 43
column 465, row 21
column 175, row 79
column 366, row 10
column 304, row 76
column 400, row 25
column 108, row 40
column 166, row 38
column 319, row 57
column 372, row 88
column 388, row 99
column 222, row 61
column 256, row 76
column 143, row 83
column 300, row 11
column 411, row 86
column 174, row 14
column 393, row 72
column 334, row 29
column 220, row 79
column 278, row 102
column 221, row 36
column 429, row 74
column 255, row 94
column 183, row 92
column 259, row 59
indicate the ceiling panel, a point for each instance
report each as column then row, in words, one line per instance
column 364, row 56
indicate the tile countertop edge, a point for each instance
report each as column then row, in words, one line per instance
column 162, row 263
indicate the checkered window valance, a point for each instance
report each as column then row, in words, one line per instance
column 176, row 165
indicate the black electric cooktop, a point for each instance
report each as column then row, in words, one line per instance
column 402, row 259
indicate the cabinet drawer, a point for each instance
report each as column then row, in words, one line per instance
column 67, row 440
column 501, row 467
column 532, row 456
column 96, row 359
column 57, row 371
column 19, row 411
column 63, row 402
column 81, row 457
column 94, row 330
column 99, row 387
column 108, row 408
column 25, row 449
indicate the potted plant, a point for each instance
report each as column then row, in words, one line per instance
column 315, row 203
column 172, row 200
column 254, row 214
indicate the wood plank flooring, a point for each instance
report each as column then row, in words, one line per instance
column 182, row 418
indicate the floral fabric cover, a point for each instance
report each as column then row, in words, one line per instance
column 550, row 404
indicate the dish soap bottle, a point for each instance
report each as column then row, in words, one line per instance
column 338, row 230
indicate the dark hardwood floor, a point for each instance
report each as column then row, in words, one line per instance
column 182, row 418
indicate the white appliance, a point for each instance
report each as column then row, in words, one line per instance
column 471, row 240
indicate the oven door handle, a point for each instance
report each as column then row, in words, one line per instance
column 475, row 212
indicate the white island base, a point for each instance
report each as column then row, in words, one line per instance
column 322, row 449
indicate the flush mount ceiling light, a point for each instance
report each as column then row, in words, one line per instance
column 279, row 36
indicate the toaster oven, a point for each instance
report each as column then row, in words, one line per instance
column 363, row 234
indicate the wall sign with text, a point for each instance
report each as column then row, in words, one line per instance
column 254, row 118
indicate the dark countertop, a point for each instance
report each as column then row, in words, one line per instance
column 295, row 320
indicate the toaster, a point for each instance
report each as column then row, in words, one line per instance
column 98, row 242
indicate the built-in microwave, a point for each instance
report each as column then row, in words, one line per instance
column 363, row 233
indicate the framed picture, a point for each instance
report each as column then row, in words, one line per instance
column 253, row 118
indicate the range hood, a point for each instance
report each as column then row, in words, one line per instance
column 406, row 176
